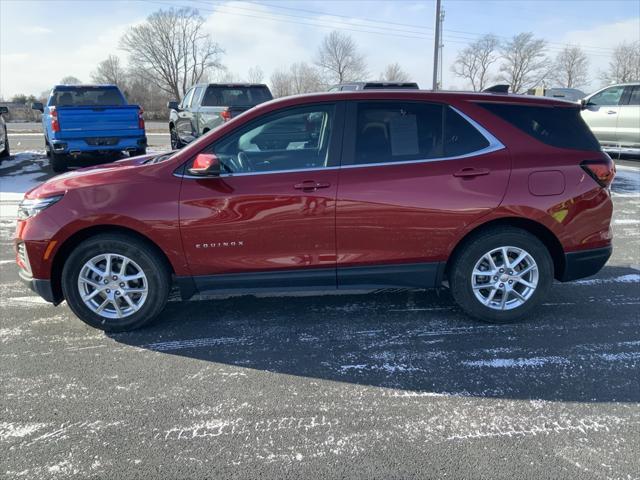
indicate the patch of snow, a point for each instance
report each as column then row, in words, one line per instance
column 16, row 430
column 629, row 278
column 517, row 362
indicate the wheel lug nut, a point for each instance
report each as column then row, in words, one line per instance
column 106, row 281
column 495, row 278
column 117, row 292
column 108, row 291
column 502, row 270
column 510, row 282
column 114, row 277
column 501, row 285
column 122, row 284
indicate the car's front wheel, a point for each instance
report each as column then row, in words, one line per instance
column 115, row 282
column 5, row 153
column 176, row 144
column 501, row 274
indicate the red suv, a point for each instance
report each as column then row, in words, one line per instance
column 492, row 195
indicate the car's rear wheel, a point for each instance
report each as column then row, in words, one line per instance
column 115, row 282
column 501, row 275
column 59, row 162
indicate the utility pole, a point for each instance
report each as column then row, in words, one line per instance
column 436, row 47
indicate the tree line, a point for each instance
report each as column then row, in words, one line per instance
column 171, row 51
column 523, row 63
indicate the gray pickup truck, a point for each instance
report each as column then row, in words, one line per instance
column 205, row 106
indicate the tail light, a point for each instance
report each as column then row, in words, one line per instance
column 602, row 170
column 55, row 125
column 140, row 119
column 226, row 115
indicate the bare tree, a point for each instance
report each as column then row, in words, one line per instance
column 625, row 64
column 281, row 83
column 110, row 70
column 339, row 59
column 70, row 80
column 473, row 62
column 255, row 75
column 305, row 78
column 571, row 68
column 524, row 63
column 394, row 73
column 172, row 48
column 299, row 78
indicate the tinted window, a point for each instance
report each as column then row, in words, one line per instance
column 292, row 140
column 557, row 126
column 219, row 96
column 395, row 132
column 634, row 99
column 86, row 97
column 460, row 137
column 609, row 96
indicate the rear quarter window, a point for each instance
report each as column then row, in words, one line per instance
column 561, row 127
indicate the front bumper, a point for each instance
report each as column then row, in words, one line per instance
column 41, row 287
column 585, row 263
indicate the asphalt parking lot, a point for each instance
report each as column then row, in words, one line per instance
column 392, row 384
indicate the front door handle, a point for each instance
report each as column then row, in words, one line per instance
column 310, row 185
column 471, row 172
column 611, row 112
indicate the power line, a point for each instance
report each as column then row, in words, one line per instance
column 340, row 25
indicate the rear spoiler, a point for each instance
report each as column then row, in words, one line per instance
column 497, row 89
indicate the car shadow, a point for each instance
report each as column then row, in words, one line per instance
column 420, row 342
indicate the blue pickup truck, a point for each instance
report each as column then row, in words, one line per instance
column 95, row 119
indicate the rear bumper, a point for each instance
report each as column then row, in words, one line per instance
column 41, row 287
column 91, row 144
column 585, row 263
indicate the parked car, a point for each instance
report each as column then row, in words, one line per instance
column 492, row 195
column 93, row 119
column 353, row 86
column 568, row 94
column 4, row 138
column 205, row 107
column 613, row 114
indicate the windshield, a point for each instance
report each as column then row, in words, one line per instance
column 235, row 96
column 86, row 97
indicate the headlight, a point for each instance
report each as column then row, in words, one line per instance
column 30, row 207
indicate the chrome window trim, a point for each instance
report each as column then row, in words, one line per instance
column 494, row 146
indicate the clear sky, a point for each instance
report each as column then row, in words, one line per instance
column 43, row 41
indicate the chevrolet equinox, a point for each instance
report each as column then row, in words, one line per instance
column 490, row 195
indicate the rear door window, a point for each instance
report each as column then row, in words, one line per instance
column 561, row 127
column 634, row 98
column 409, row 131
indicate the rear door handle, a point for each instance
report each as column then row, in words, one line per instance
column 310, row 185
column 471, row 172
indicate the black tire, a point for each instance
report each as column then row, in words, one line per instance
column 6, row 153
column 47, row 147
column 138, row 152
column 152, row 264
column 176, row 144
column 461, row 268
column 58, row 162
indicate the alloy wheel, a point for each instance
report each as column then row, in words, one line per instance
column 113, row 285
column 505, row 278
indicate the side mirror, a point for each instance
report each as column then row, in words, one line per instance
column 173, row 105
column 3, row 109
column 205, row 165
column 37, row 106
